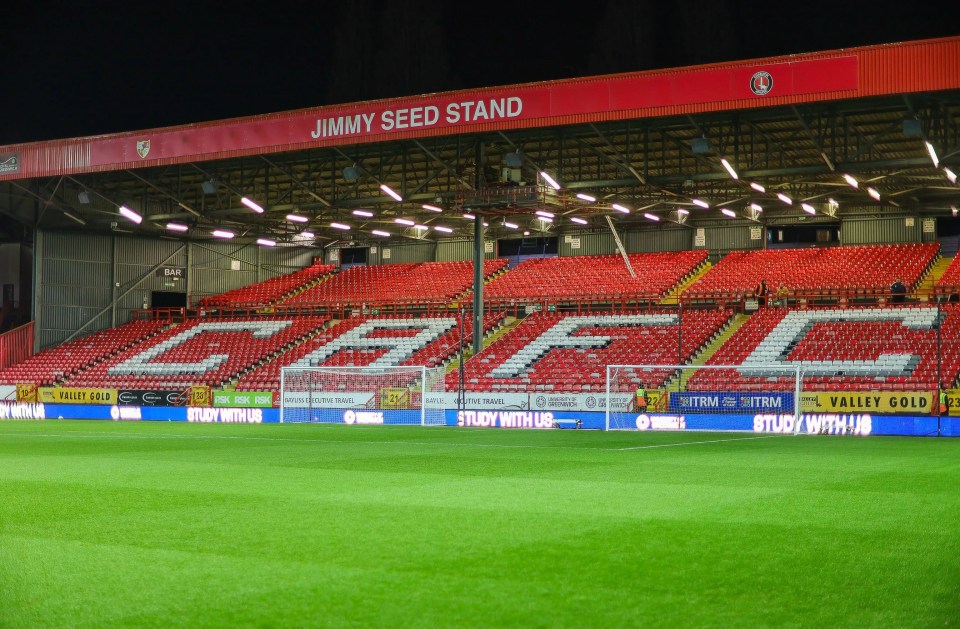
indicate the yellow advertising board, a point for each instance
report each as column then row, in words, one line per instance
column 69, row 395
column 878, row 402
column 27, row 393
column 200, row 396
column 394, row 397
column 953, row 402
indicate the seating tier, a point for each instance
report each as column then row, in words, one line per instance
column 55, row 364
column 570, row 353
column 884, row 348
column 870, row 268
column 269, row 291
column 395, row 284
column 594, row 277
column 380, row 341
column 197, row 353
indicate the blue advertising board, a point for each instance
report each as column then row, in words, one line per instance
column 730, row 402
column 770, row 423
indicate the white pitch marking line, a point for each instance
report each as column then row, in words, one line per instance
column 97, row 435
column 694, row 443
column 89, row 435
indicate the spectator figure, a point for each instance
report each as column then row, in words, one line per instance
column 782, row 295
column 897, row 292
column 761, row 293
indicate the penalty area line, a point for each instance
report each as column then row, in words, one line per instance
column 677, row 444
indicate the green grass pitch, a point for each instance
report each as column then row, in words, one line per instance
column 150, row 524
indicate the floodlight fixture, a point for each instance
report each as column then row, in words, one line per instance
column 729, row 167
column 130, row 214
column 390, row 192
column 253, row 205
column 550, row 180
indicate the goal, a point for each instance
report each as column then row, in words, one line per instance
column 763, row 397
column 362, row 395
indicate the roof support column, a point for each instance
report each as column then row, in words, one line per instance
column 478, row 258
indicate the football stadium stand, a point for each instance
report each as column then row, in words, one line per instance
column 54, row 365
column 377, row 341
column 395, row 284
column 891, row 348
column 867, row 269
column 949, row 283
column 197, row 353
column 570, row 353
column 594, row 278
column 269, row 291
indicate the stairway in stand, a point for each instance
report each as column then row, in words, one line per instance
column 736, row 322
column 672, row 297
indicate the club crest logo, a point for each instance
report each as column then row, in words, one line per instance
column 143, row 148
column 9, row 162
column 761, row 83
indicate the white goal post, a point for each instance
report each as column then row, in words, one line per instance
column 652, row 396
column 362, row 395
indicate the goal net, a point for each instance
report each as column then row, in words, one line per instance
column 362, row 395
column 705, row 397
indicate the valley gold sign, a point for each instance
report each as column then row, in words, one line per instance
column 876, row 402
column 67, row 395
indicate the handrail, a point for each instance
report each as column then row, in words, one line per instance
column 16, row 345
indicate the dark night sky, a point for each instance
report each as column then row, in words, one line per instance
column 75, row 68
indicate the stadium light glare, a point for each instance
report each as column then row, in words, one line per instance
column 682, row 211
column 952, row 176
column 756, row 207
column 510, row 225
column 651, row 217
column 266, row 242
column 253, row 205
column 526, row 233
column 586, row 197
column 873, row 192
column 307, row 235
column 432, row 208
column 544, row 214
column 700, row 202
column 177, row 227
column 784, row 198
column 390, row 192
column 469, row 217
column 620, row 208
column 377, row 232
column 342, row 226
column 759, row 188
column 420, row 227
column 222, row 233
column 404, row 221
column 550, row 180
column 545, row 219
column 851, row 181
column 953, row 210
column 363, row 213
column 809, row 209
column 296, row 218
column 578, row 220
column 933, row 155
column 729, row 168
column 729, row 213
column 130, row 214
column 441, row 228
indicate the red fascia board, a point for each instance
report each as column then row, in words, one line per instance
column 922, row 66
